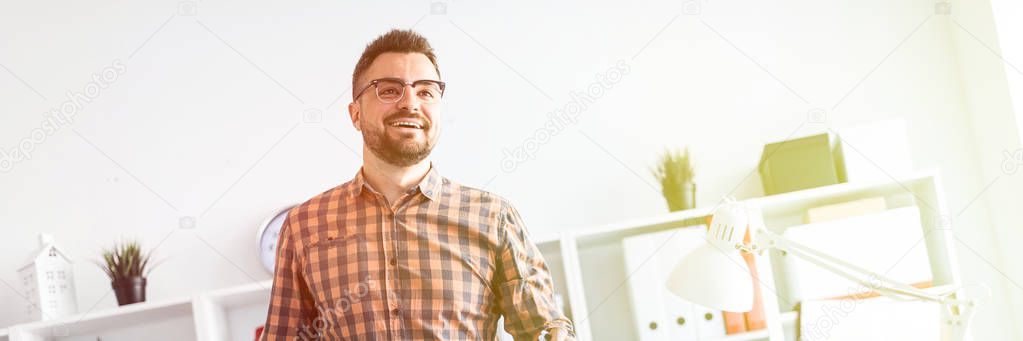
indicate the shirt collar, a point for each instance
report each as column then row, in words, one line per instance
column 430, row 186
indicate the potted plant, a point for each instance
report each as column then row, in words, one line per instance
column 127, row 267
column 675, row 173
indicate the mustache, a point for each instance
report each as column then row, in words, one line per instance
column 401, row 113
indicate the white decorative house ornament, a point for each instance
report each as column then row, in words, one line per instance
column 49, row 282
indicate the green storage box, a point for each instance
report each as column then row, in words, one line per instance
column 801, row 163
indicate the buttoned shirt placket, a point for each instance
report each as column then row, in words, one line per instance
column 391, row 247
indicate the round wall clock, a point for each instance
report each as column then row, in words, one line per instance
column 269, row 232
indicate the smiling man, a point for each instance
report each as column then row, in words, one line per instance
column 401, row 252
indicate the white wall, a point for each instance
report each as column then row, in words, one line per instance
column 206, row 120
column 991, row 52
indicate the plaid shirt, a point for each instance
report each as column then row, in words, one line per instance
column 444, row 262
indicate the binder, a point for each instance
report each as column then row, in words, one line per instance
column 755, row 318
column 657, row 313
column 734, row 322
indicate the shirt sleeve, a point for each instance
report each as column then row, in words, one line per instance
column 291, row 309
column 524, row 285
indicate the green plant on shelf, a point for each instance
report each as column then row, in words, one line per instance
column 126, row 260
column 675, row 173
column 127, row 266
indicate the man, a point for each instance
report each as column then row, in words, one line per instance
column 400, row 252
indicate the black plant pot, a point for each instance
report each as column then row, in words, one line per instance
column 129, row 290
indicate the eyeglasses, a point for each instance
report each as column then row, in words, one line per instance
column 392, row 90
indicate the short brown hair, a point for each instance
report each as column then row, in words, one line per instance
column 402, row 41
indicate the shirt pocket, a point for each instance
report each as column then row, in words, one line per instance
column 335, row 269
column 477, row 302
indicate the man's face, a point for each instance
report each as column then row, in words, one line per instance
column 395, row 144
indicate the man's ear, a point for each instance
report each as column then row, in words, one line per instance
column 354, row 113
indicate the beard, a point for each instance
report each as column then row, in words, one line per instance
column 398, row 148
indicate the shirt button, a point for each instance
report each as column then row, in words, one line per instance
column 395, row 311
column 394, row 262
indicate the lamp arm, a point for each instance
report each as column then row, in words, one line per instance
column 886, row 286
column 957, row 311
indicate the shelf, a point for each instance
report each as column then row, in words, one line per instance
column 132, row 315
column 644, row 225
column 232, row 313
column 787, row 319
column 253, row 293
column 790, row 201
column 907, row 191
column 747, row 336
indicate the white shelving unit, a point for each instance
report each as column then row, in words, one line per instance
column 597, row 271
column 587, row 267
column 233, row 313
column 149, row 313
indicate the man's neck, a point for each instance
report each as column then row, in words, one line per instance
column 390, row 180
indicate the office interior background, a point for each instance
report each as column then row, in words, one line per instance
column 202, row 118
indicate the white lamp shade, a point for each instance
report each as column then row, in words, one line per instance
column 713, row 277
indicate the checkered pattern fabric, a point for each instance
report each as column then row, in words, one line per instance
column 443, row 262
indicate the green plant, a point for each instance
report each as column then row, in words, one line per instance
column 126, row 260
column 675, row 173
column 674, row 169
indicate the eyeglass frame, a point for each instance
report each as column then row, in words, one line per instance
column 373, row 83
